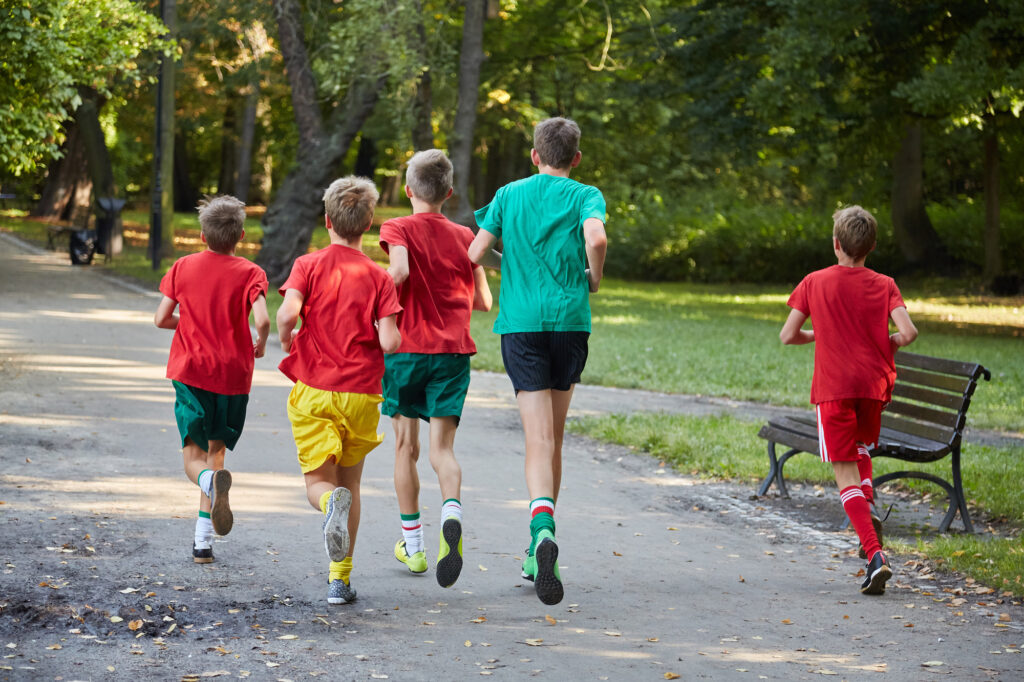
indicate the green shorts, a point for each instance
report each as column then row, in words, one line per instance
column 425, row 385
column 204, row 416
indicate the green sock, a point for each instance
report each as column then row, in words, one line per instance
column 542, row 521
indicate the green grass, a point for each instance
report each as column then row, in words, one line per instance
column 995, row 562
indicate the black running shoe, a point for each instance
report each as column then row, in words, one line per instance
column 547, row 581
column 202, row 555
column 449, row 561
column 876, row 574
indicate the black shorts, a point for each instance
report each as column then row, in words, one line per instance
column 538, row 361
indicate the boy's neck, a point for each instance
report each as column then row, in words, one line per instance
column 222, row 253
column 545, row 169
column 420, row 206
column 353, row 243
column 848, row 262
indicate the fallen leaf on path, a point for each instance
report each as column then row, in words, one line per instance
column 552, row 621
column 932, row 664
column 534, row 642
column 134, row 625
column 672, row 528
column 116, row 619
column 652, row 639
column 742, row 579
column 479, row 619
column 612, row 633
column 481, row 567
column 1004, row 617
column 54, row 647
column 615, row 553
column 215, row 673
column 787, row 621
column 288, row 637
column 824, row 671
column 671, row 676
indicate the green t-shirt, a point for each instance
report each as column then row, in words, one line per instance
column 543, row 264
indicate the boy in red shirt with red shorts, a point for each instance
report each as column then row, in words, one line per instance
column 336, row 359
column 212, row 356
column 427, row 378
column 854, row 370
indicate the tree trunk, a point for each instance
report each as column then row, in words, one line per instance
column 993, row 258
column 471, row 56
column 68, row 187
column 244, row 165
column 228, row 149
column 366, row 157
column 913, row 230
column 186, row 196
column 98, row 161
column 298, row 206
column 423, row 106
column 162, row 217
column 300, row 74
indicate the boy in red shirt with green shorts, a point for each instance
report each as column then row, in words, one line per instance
column 212, row 356
column 347, row 304
column 854, row 369
column 427, row 378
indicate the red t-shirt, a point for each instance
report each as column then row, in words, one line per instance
column 849, row 310
column 344, row 293
column 212, row 346
column 437, row 299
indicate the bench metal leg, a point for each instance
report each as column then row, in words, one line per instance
column 961, row 500
column 775, row 465
column 956, row 501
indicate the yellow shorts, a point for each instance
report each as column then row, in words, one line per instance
column 328, row 425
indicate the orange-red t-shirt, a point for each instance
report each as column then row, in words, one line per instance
column 849, row 310
column 212, row 346
column 344, row 293
column 437, row 298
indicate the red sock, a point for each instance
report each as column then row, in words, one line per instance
column 857, row 509
column 864, row 467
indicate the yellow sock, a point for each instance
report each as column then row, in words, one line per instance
column 341, row 570
column 323, row 501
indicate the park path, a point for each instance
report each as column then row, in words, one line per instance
column 664, row 574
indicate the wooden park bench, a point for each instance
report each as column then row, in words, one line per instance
column 56, row 230
column 923, row 423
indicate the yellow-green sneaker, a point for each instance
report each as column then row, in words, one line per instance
column 417, row 563
column 449, row 556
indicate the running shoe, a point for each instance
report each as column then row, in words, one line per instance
column 449, row 556
column 335, row 527
column 417, row 562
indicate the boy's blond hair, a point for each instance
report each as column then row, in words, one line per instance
column 557, row 140
column 429, row 176
column 856, row 230
column 349, row 203
column 221, row 220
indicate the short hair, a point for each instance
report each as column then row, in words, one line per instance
column 221, row 220
column 856, row 230
column 556, row 140
column 349, row 203
column 429, row 175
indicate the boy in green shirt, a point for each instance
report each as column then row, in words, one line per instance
column 554, row 245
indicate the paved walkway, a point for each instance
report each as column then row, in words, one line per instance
column 664, row 574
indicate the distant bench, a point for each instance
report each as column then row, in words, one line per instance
column 923, row 423
column 56, row 230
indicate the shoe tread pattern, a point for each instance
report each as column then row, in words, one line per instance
column 450, row 565
column 336, row 540
column 548, row 586
column 220, row 508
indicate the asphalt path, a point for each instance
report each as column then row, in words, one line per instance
column 664, row 575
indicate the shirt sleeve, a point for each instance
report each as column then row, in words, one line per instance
column 489, row 217
column 167, row 282
column 296, row 279
column 392, row 234
column 387, row 298
column 798, row 299
column 593, row 206
column 895, row 297
column 258, row 284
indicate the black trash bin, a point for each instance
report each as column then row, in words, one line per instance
column 106, row 216
column 82, row 245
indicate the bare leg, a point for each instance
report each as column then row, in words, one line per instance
column 407, row 454
column 543, row 414
column 442, row 456
column 197, row 460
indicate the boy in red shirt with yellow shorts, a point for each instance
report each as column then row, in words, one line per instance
column 854, row 370
column 427, row 378
column 212, row 356
column 347, row 304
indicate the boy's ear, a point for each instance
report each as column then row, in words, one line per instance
column 369, row 225
column 202, row 235
column 576, row 159
column 408, row 192
column 451, row 190
column 243, row 235
column 327, row 222
column 535, row 157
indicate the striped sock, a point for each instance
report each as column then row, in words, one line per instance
column 205, row 481
column 412, row 531
column 859, row 513
column 451, row 508
column 864, row 467
column 341, row 570
column 542, row 511
column 204, row 529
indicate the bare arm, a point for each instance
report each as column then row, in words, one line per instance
column 262, row 319
column 388, row 335
column 482, row 252
column 165, row 317
column 906, row 331
column 482, row 299
column 288, row 317
column 597, row 247
column 792, row 334
column 399, row 267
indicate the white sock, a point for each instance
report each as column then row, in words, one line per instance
column 206, row 481
column 204, row 532
column 412, row 531
column 451, row 509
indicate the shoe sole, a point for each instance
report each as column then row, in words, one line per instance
column 336, row 526
column 877, row 523
column 878, row 580
column 202, row 560
column 548, row 586
column 450, row 565
column 220, row 509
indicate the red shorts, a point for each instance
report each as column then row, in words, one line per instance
column 844, row 423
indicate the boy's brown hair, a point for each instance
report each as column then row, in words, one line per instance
column 349, row 203
column 429, row 176
column 221, row 219
column 856, row 230
column 556, row 140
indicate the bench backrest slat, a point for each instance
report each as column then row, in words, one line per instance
column 957, row 384
column 950, row 401
column 952, row 421
column 942, row 365
column 929, row 431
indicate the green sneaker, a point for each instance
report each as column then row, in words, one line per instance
column 449, row 556
column 417, row 563
column 529, row 567
column 547, row 580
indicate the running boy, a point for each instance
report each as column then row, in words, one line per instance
column 438, row 288
column 554, row 245
column 347, row 304
column 854, row 370
column 212, row 356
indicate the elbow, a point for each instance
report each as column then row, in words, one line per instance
column 785, row 337
column 391, row 344
column 598, row 241
column 475, row 254
column 910, row 336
